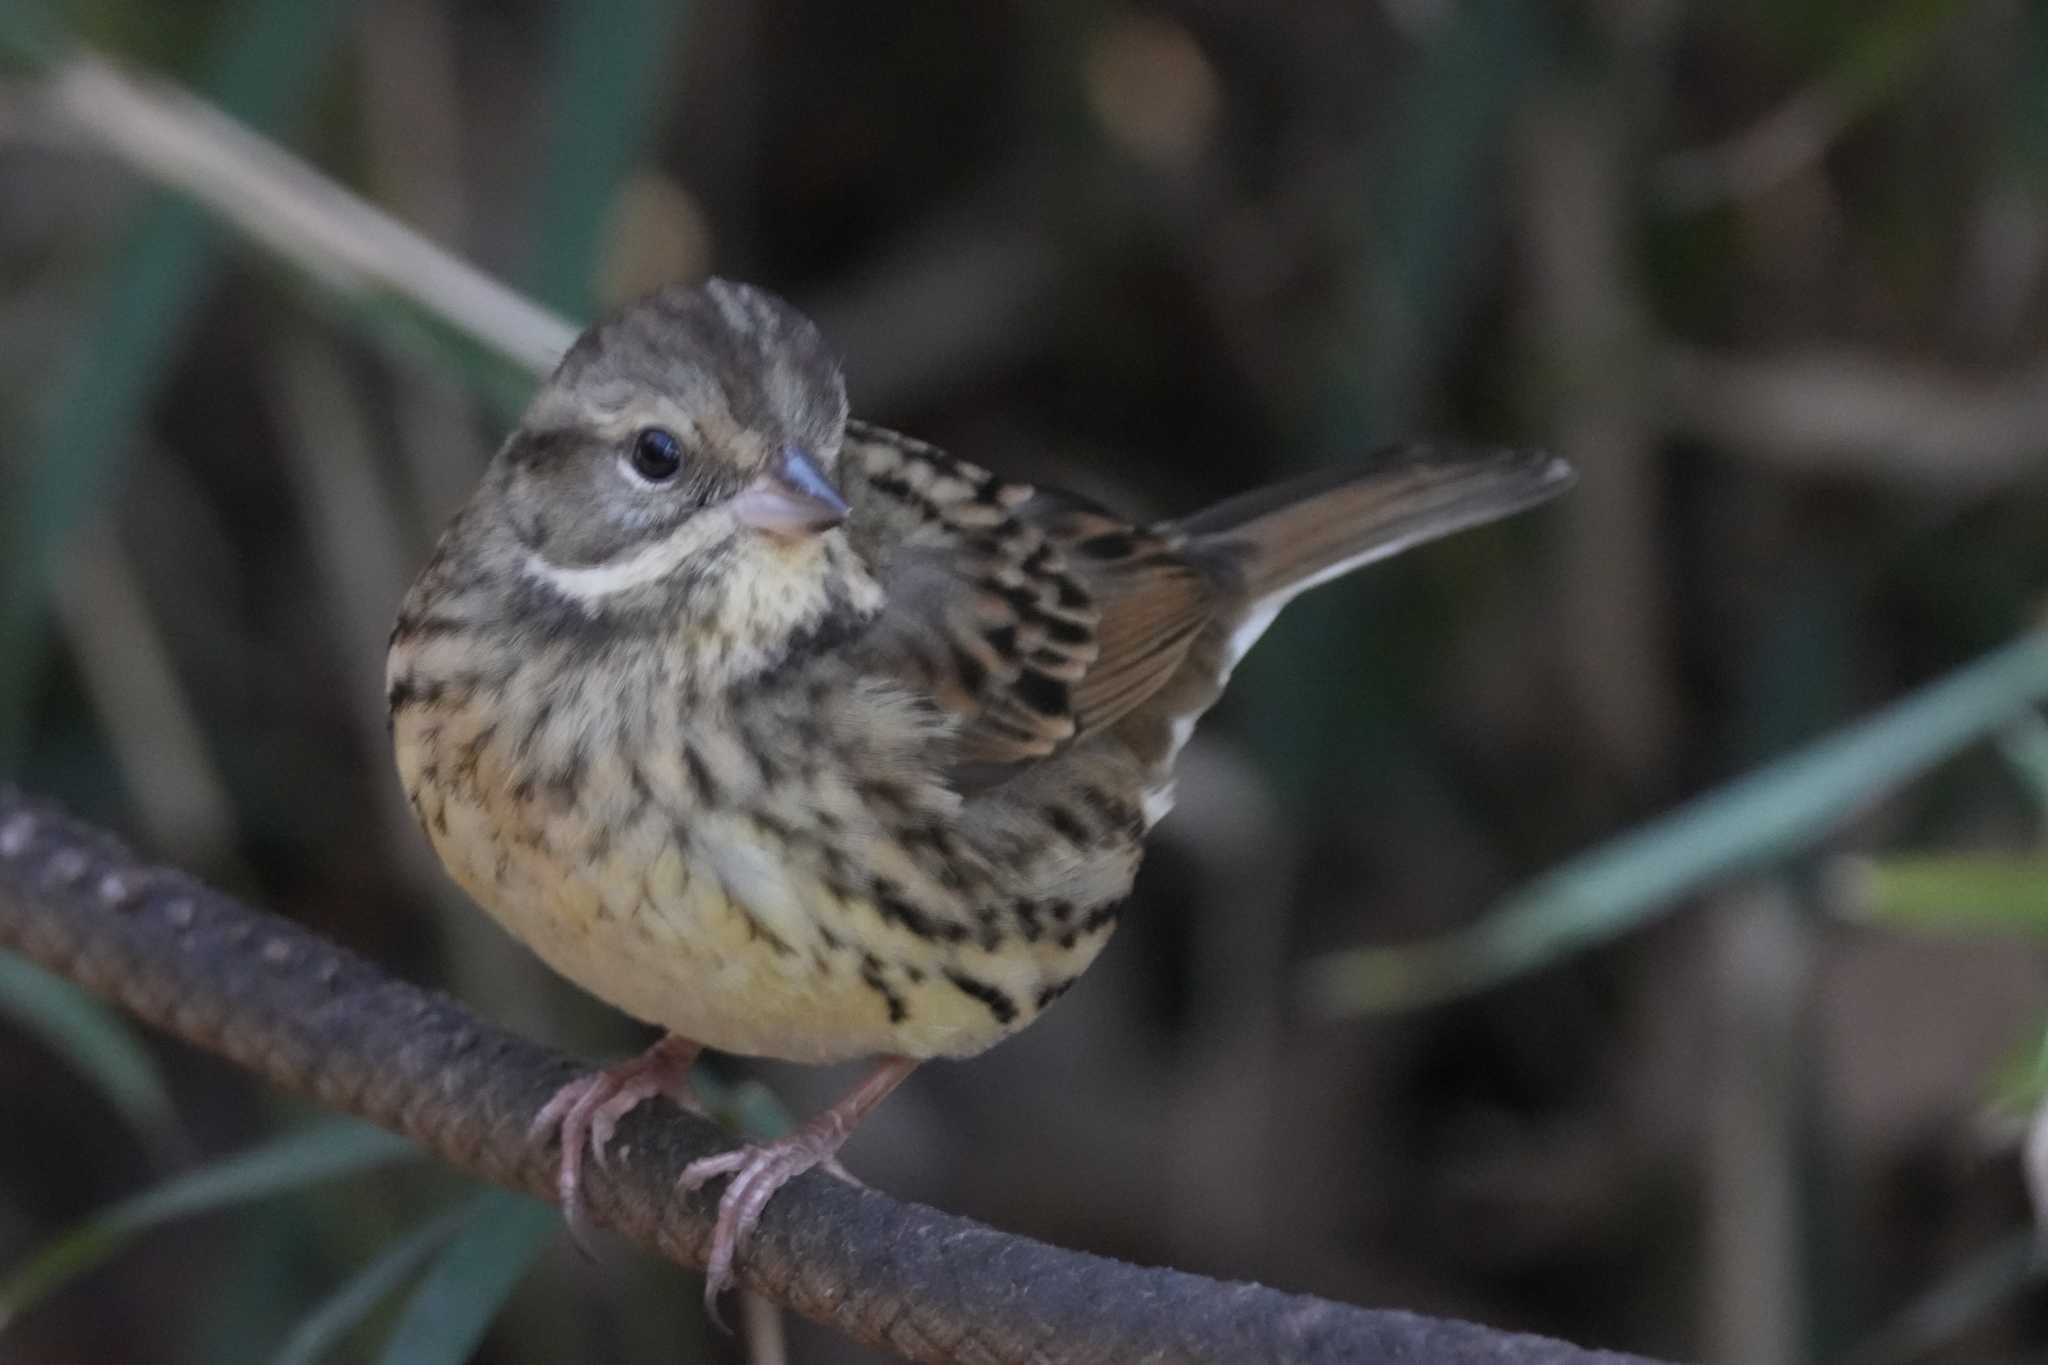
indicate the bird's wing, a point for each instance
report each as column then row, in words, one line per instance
column 1033, row 616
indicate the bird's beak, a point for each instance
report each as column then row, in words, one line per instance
column 792, row 498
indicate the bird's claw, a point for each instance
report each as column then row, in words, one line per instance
column 587, row 1112
column 758, row 1171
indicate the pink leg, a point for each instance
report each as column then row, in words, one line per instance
column 587, row 1111
column 760, row 1169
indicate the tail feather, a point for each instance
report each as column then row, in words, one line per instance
column 1262, row 549
column 1284, row 540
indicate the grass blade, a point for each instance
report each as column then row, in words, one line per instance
column 29, row 35
column 342, row 1312
column 1748, row 825
column 1935, row 1319
column 2024, row 746
column 1877, row 62
column 322, row 1152
column 262, row 71
column 470, row 1280
column 367, row 269
column 609, row 56
column 1965, row 893
column 334, row 238
column 93, row 1040
column 1427, row 196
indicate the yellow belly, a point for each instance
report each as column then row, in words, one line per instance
column 706, row 932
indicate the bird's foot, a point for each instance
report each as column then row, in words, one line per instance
column 588, row 1109
column 758, row 1170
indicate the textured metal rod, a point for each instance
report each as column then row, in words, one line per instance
column 324, row 1023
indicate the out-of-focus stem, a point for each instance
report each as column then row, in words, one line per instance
column 292, row 209
column 1757, row 1273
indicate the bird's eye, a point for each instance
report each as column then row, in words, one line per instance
column 657, row 454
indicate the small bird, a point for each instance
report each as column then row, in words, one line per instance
column 800, row 738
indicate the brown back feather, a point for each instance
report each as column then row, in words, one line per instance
column 1037, row 617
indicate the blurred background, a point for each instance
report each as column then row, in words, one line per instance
column 1772, row 274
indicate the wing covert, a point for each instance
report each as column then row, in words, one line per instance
column 1034, row 616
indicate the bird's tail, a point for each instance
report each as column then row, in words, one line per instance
column 1281, row 541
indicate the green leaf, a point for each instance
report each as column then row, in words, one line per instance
column 322, row 1152
column 608, row 61
column 93, row 1040
column 1427, row 196
column 746, row 1107
column 342, row 1312
column 2024, row 746
column 1750, row 824
column 470, row 1281
column 412, row 334
column 755, row 1110
column 2019, row 1082
column 1948, row 893
column 29, row 35
column 262, row 71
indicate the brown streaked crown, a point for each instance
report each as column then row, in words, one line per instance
column 740, row 362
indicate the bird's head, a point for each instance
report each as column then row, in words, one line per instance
column 674, row 475
column 698, row 423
